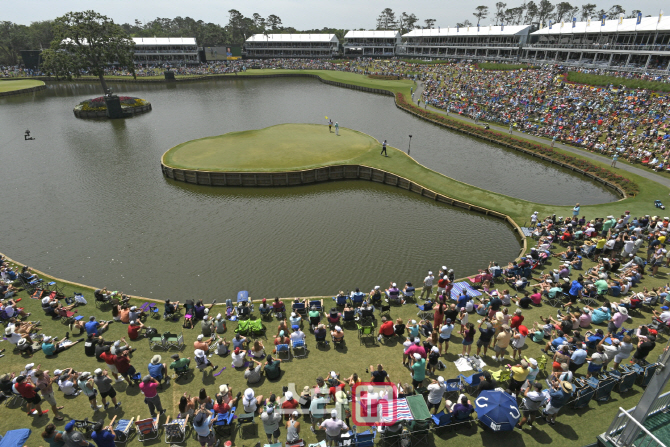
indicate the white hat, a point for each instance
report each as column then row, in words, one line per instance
column 549, row 281
column 133, row 308
column 376, row 287
column 97, row 372
column 585, row 309
column 338, row 329
column 417, row 340
column 85, row 375
column 205, row 318
column 270, row 409
column 46, row 338
column 333, row 374
column 440, row 379
column 444, row 267
column 333, row 413
column 417, row 356
column 615, row 341
column 8, row 331
column 223, row 389
column 249, row 393
column 606, row 259
column 199, row 353
column 288, row 395
column 429, row 272
column 532, row 362
column 58, row 372
column 293, row 314
column 45, row 300
column 623, row 310
column 413, row 321
column 30, row 366
column 533, row 249
column 156, row 359
column 200, row 337
column 218, row 317
column 117, row 343
column 536, row 212
column 435, row 349
column 394, row 284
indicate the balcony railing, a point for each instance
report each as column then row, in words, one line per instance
column 599, row 47
column 460, row 44
column 615, row 434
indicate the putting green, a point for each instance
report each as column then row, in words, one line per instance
column 10, row 86
column 284, row 147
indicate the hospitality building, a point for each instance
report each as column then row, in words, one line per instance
column 637, row 44
column 371, row 43
column 165, row 50
column 291, row 45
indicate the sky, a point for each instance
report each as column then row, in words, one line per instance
column 300, row 14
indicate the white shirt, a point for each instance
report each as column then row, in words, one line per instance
column 445, row 330
column 13, row 338
column 297, row 336
column 249, row 406
column 238, row 359
column 628, row 246
column 67, row 387
column 611, row 351
column 428, row 281
column 435, row 392
column 665, row 316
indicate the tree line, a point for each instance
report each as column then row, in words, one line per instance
column 527, row 13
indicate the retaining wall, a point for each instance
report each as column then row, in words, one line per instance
column 103, row 113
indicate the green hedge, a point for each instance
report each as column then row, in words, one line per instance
column 630, row 187
column 602, row 80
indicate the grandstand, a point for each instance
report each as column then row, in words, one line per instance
column 471, row 42
column 371, row 43
column 165, row 50
column 291, row 45
column 637, row 44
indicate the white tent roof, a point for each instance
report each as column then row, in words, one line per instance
column 611, row 26
column 372, row 34
column 484, row 30
column 276, row 38
column 164, row 41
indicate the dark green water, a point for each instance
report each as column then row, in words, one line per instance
column 88, row 201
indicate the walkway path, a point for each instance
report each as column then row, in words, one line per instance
column 646, row 173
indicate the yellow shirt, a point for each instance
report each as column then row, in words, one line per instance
column 601, row 243
column 519, row 374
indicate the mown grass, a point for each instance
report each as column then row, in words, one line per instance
column 603, row 80
column 356, row 357
column 11, row 86
column 502, row 66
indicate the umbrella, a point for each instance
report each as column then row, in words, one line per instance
column 497, row 410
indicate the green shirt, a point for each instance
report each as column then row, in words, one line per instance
column 602, row 286
column 180, row 364
column 553, row 291
column 272, row 370
column 314, row 313
column 419, row 369
column 608, row 224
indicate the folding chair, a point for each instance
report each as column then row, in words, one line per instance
column 364, row 439
column 175, row 430
column 317, row 304
column 257, row 328
column 147, row 429
column 420, row 433
column 247, row 418
column 366, row 331
column 425, row 310
column 626, row 380
column 408, row 294
column 385, row 309
column 223, row 425
column 67, row 317
column 173, row 341
column 441, row 419
column 242, row 296
column 123, row 429
column 284, row 349
column 181, row 372
column 502, row 375
column 157, row 341
column 299, row 308
column 556, row 301
column 321, row 341
column 602, row 386
column 265, row 312
column 299, row 347
column 471, row 383
column 453, row 386
column 101, row 300
column 349, row 317
column 340, row 300
column 357, row 299
column 16, row 400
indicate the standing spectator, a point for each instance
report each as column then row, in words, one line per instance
column 519, row 375
column 293, row 428
column 202, row 423
column 486, row 334
column 334, row 428
column 149, row 388
column 644, row 347
column 45, row 385
column 104, row 384
column 502, row 342
column 436, row 390
column 158, row 370
column 123, row 366
column 558, row 396
column 87, row 387
column 468, row 339
column 626, row 347
column 317, row 407
column 26, row 389
column 532, row 402
column 271, row 421
column 110, row 360
column 445, row 335
column 427, row 286
column 418, row 370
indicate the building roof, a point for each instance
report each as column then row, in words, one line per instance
column 372, row 34
column 611, row 26
column 484, row 30
column 293, row 38
column 164, row 40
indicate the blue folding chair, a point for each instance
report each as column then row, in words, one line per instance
column 317, row 304
column 453, row 386
column 615, row 291
column 357, row 298
column 299, row 308
column 365, row 439
column 626, row 379
column 441, row 419
column 284, row 350
column 425, row 310
column 471, row 383
column 223, row 425
column 242, row 296
column 340, row 300
column 299, row 347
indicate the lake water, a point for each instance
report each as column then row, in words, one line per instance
column 86, row 201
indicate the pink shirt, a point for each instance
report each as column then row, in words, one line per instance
column 149, row 388
column 416, row 349
column 584, row 320
column 618, row 319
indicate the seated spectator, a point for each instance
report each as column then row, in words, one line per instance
column 66, row 381
column 179, row 364
column 94, row 327
column 203, row 344
column 337, row 334
column 399, row 327
column 297, row 335
column 462, row 408
column 158, row 370
column 238, row 358
column 334, row 317
column 51, row 347
column 136, row 314
column 320, row 332
column 253, row 372
column 386, row 328
column 207, row 326
column 134, row 329
column 272, row 368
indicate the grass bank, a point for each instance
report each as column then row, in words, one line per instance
column 502, row 66
column 604, row 81
column 12, row 86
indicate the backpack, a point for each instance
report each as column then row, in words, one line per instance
column 151, row 332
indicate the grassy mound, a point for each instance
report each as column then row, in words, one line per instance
column 602, row 80
column 11, row 86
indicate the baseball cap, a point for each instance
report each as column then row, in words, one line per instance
column 665, row 308
column 333, row 413
column 200, row 337
column 417, row 356
column 440, row 379
column 448, row 320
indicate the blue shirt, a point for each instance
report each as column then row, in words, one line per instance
column 558, row 398
column 48, row 348
column 575, row 288
column 558, row 342
column 92, row 327
column 104, row 438
column 599, row 315
column 155, row 370
column 462, row 301
column 579, row 356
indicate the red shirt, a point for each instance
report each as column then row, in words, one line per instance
column 221, row 409
column 26, row 390
column 109, row 358
column 289, row 405
column 133, row 331
column 442, row 283
column 122, row 364
column 387, row 328
column 516, row 321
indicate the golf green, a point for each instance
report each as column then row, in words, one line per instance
column 11, row 86
column 282, row 147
